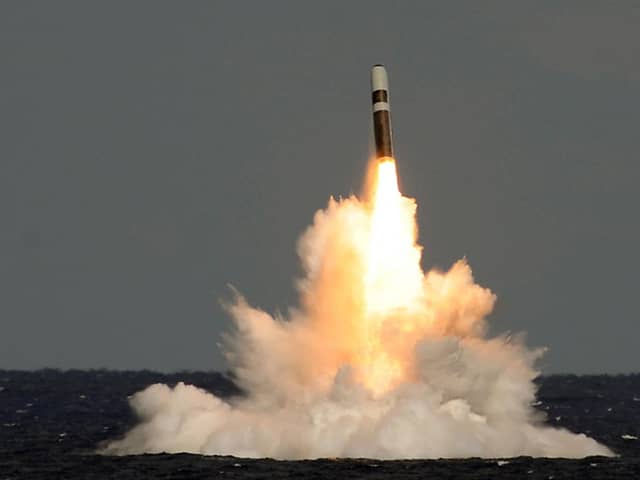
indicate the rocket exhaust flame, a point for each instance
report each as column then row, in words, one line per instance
column 392, row 277
column 380, row 359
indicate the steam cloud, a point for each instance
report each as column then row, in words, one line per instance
column 313, row 382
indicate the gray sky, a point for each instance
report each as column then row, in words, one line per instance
column 152, row 152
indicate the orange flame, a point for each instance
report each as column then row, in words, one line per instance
column 366, row 302
column 392, row 278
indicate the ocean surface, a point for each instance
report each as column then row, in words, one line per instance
column 52, row 422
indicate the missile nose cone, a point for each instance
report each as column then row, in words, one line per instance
column 379, row 80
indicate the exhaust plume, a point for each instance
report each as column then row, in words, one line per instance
column 378, row 360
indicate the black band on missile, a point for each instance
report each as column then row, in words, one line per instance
column 382, row 133
column 379, row 96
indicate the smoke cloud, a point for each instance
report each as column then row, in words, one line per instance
column 384, row 362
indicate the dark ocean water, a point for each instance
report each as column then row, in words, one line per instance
column 51, row 422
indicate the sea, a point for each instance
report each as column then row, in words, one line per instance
column 53, row 422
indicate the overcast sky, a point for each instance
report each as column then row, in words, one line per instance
column 153, row 152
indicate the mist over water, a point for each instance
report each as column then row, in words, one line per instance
column 380, row 360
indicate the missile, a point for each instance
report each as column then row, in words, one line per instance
column 381, row 113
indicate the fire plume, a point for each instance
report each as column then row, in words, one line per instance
column 392, row 275
column 393, row 278
column 379, row 360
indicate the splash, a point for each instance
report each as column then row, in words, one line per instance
column 379, row 360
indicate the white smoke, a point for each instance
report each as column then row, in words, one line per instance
column 308, row 384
